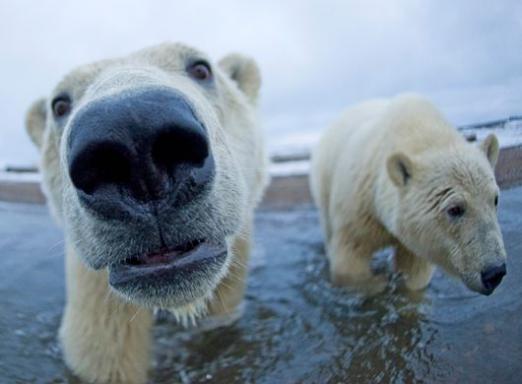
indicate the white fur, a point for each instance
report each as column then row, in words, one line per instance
column 105, row 336
column 385, row 174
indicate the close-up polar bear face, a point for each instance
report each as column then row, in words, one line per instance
column 152, row 164
column 448, row 210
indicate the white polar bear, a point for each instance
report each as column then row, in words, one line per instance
column 395, row 173
column 153, row 164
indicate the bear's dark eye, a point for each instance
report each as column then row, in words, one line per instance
column 496, row 200
column 61, row 105
column 456, row 211
column 200, row 70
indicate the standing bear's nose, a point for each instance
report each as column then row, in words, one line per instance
column 146, row 145
column 492, row 276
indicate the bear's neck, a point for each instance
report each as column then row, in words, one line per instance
column 386, row 203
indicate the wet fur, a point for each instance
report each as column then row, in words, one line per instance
column 384, row 174
column 105, row 334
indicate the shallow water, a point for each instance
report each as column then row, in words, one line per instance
column 296, row 327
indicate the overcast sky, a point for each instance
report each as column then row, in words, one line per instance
column 316, row 57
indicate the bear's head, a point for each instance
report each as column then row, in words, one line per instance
column 152, row 163
column 447, row 210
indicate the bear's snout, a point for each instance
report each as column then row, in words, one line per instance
column 146, row 145
column 491, row 278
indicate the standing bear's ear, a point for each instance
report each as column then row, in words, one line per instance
column 400, row 169
column 490, row 148
column 35, row 122
column 245, row 72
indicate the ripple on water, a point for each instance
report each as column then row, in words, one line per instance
column 296, row 327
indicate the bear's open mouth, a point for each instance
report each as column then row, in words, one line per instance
column 183, row 260
column 163, row 257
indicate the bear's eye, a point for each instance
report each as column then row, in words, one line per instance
column 200, row 70
column 61, row 106
column 496, row 200
column 456, row 211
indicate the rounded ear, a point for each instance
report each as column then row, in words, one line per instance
column 490, row 147
column 400, row 169
column 35, row 122
column 245, row 72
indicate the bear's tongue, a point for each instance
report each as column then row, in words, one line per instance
column 164, row 256
column 156, row 259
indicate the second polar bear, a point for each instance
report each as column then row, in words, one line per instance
column 395, row 173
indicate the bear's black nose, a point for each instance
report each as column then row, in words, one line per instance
column 146, row 144
column 491, row 277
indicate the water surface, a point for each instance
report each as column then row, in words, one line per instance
column 296, row 327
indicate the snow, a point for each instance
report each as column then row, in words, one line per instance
column 298, row 145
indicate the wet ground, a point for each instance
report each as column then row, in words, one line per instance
column 296, row 327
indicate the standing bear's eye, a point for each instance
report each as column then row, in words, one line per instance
column 456, row 211
column 496, row 200
column 61, row 105
column 200, row 70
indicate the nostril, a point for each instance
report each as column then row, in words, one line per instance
column 99, row 164
column 145, row 145
column 174, row 146
column 492, row 276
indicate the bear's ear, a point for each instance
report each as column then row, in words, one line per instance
column 245, row 72
column 35, row 122
column 490, row 148
column 400, row 169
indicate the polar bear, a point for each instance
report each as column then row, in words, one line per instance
column 153, row 164
column 395, row 173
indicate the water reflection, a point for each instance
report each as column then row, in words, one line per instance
column 296, row 327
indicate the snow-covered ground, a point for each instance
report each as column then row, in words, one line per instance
column 298, row 143
column 508, row 131
column 295, row 147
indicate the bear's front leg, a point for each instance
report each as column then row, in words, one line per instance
column 417, row 272
column 104, row 339
column 350, row 265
